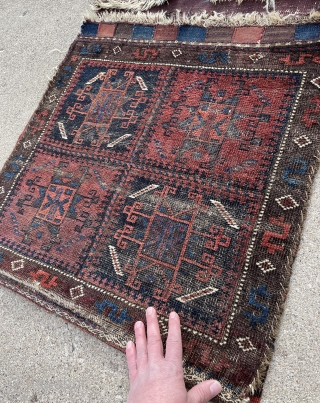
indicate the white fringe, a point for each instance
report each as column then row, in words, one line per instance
column 270, row 4
column 143, row 5
column 238, row 1
column 204, row 19
column 136, row 5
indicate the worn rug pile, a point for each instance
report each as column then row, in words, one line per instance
column 169, row 166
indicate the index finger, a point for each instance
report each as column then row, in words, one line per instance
column 174, row 342
column 154, row 342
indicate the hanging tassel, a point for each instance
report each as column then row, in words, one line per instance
column 271, row 5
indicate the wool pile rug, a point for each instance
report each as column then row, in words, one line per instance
column 169, row 166
column 206, row 13
column 288, row 6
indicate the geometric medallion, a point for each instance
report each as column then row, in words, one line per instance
column 77, row 292
column 266, row 266
column 27, row 144
column 245, row 344
column 176, row 53
column 287, row 202
column 116, row 50
column 55, row 204
column 256, row 57
column 302, row 141
column 17, row 265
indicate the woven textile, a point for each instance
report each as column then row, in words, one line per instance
column 205, row 13
column 171, row 173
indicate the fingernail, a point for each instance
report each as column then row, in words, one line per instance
column 129, row 344
column 173, row 314
column 215, row 388
column 138, row 324
column 150, row 310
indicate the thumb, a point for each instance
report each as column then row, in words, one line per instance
column 204, row 391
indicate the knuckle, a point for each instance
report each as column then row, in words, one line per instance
column 201, row 394
column 174, row 369
column 154, row 341
column 142, row 353
column 172, row 341
column 175, row 357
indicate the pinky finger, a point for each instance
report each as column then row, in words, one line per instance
column 131, row 355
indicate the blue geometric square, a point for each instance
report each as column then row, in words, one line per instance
column 89, row 29
column 170, row 233
column 142, row 32
column 307, row 32
column 188, row 33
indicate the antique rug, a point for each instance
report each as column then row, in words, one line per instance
column 169, row 166
column 206, row 13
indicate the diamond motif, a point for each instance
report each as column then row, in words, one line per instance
column 176, row 53
column 266, row 266
column 116, row 50
column 245, row 344
column 316, row 81
column 77, row 292
column 302, row 141
column 256, row 57
column 27, row 144
column 287, row 202
column 2, row 189
column 17, row 265
column 52, row 98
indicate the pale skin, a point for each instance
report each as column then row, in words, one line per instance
column 155, row 378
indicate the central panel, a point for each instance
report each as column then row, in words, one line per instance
column 190, row 151
column 222, row 125
column 175, row 246
column 178, row 229
column 166, row 239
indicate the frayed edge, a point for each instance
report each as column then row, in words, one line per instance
column 230, row 396
column 238, row 1
column 135, row 5
column 270, row 4
column 159, row 18
column 203, row 19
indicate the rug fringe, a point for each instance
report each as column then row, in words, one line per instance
column 143, row 5
column 270, row 4
column 238, row 1
column 203, row 19
column 136, row 5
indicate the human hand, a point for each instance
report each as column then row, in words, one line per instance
column 158, row 379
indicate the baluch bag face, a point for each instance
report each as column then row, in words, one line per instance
column 169, row 174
